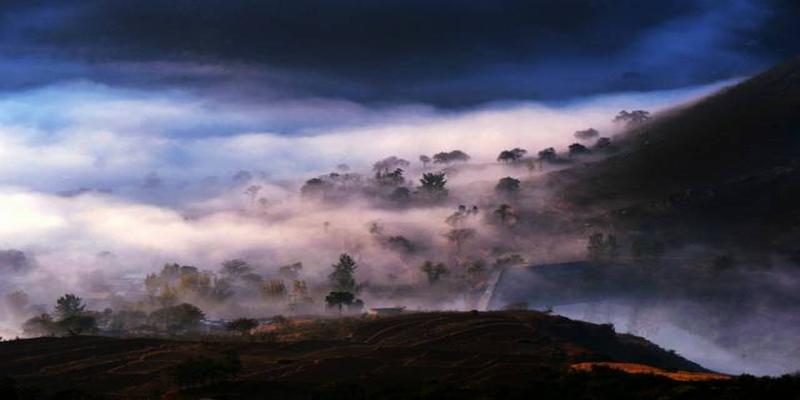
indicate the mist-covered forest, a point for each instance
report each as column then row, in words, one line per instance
column 433, row 232
column 415, row 199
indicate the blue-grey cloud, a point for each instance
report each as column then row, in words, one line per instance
column 445, row 53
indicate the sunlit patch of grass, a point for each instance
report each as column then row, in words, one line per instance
column 631, row 368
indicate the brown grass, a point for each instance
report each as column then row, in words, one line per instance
column 631, row 368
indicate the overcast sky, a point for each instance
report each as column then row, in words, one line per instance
column 103, row 92
column 444, row 53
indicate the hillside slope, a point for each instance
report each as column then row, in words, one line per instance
column 729, row 160
column 469, row 351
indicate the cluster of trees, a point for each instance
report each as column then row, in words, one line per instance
column 333, row 186
column 168, row 313
column 175, row 282
column 632, row 118
column 236, row 278
column 511, row 156
column 398, row 243
column 389, row 182
column 516, row 156
column 70, row 317
column 470, row 271
column 448, row 157
column 389, row 171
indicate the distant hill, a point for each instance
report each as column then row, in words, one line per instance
column 731, row 159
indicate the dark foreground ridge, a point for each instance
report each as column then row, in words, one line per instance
column 508, row 354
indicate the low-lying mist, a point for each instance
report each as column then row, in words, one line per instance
column 99, row 195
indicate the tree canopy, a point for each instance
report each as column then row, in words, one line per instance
column 548, row 154
column 447, row 157
column 343, row 276
column 634, row 117
column 511, row 156
column 69, row 305
column 507, row 185
column 432, row 184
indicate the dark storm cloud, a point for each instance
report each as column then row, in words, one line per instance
column 448, row 53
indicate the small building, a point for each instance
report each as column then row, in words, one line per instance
column 386, row 311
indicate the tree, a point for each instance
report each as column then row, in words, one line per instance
column 235, row 268
column 40, row 325
column 273, row 289
column 577, row 149
column 457, row 218
column 77, row 324
column 69, row 305
column 389, row 164
column 394, row 178
column 339, row 299
column 400, row 244
column 476, row 270
column 505, row 213
column 167, row 296
column 343, row 276
column 433, row 185
column 635, row 117
column 507, row 185
column 548, row 154
column 389, row 171
column 460, row 236
column 242, row 325
column 424, row 160
column 511, row 156
column 433, row 272
column 450, row 156
column 299, row 296
column 128, row 319
column 400, row 195
column 587, row 134
column 175, row 318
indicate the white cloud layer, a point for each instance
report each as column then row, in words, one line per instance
column 87, row 135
